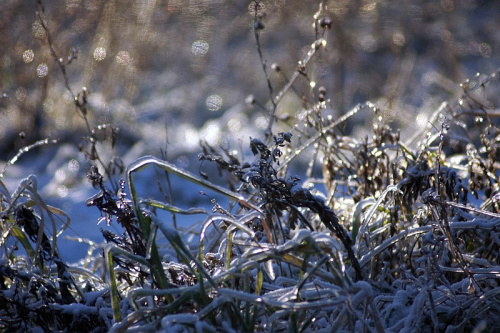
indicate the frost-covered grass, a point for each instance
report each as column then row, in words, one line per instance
column 396, row 231
column 393, row 244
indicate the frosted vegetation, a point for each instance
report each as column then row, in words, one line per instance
column 302, row 207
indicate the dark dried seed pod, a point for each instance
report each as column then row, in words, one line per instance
column 276, row 67
column 258, row 25
column 322, row 90
column 487, row 192
column 250, row 100
column 325, row 22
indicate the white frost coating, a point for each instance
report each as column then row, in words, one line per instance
column 203, row 327
column 367, row 257
column 416, row 309
column 366, row 223
column 181, row 318
column 365, row 287
column 268, row 268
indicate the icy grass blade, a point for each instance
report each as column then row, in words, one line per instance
column 175, row 240
column 29, row 185
column 288, row 305
column 173, row 209
column 321, row 245
column 113, row 289
column 366, row 224
column 21, row 237
column 306, row 274
column 6, row 228
column 229, row 250
column 390, row 188
column 4, row 191
column 258, row 283
column 149, row 231
column 57, row 211
column 236, row 223
column 142, row 162
column 390, row 241
column 146, row 160
column 25, row 150
column 356, row 220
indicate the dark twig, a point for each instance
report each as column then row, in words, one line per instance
column 80, row 99
column 258, row 26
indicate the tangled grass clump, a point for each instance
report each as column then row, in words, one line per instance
column 406, row 248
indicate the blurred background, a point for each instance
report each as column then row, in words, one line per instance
column 171, row 73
